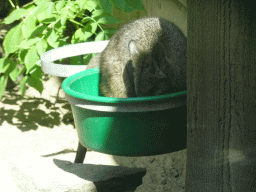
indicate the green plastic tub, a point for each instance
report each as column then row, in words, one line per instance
column 138, row 126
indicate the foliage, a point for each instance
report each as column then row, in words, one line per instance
column 48, row 24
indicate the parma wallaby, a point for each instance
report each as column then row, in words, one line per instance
column 145, row 57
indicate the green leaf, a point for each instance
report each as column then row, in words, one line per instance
column 97, row 13
column 59, row 26
column 87, row 58
column 8, row 66
column 101, row 36
column 22, row 54
column 41, row 46
column 108, row 20
column 52, row 37
column 31, row 58
column 3, row 83
column 129, row 5
column 76, row 60
column 41, row 11
column 63, row 20
column 2, row 61
column 107, row 6
column 49, row 20
column 36, row 83
column 71, row 9
column 110, row 31
column 136, row 4
column 71, row 14
column 61, row 42
column 16, row 15
column 70, row 4
column 36, row 72
column 82, row 34
column 123, row 6
column 4, row 64
column 90, row 5
column 12, row 40
column 38, row 30
column 27, row 43
column 50, row 9
column 29, row 24
column 86, row 19
column 40, row 8
column 38, row 2
column 14, row 73
column 23, row 85
column 22, row 70
column 74, row 8
column 60, row 5
column 30, row 8
column 94, row 26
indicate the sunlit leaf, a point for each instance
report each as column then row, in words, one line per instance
column 90, row 5
column 14, row 73
column 22, row 54
column 30, row 42
column 3, row 83
column 12, row 40
column 50, row 9
column 38, row 2
column 60, row 5
column 23, row 85
column 41, row 46
column 4, row 64
column 108, row 20
column 38, row 30
column 100, row 36
column 16, row 15
column 28, row 26
column 31, row 58
column 97, row 13
column 41, row 11
column 82, row 34
column 52, row 37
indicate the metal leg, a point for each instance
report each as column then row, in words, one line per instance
column 80, row 154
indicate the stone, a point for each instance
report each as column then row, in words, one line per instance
column 50, row 174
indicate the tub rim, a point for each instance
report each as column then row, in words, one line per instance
column 68, row 81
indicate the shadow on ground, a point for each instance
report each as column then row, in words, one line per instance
column 105, row 177
column 28, row 113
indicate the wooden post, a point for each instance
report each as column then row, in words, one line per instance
column 221, row 79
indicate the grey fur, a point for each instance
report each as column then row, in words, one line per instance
column 145, row 57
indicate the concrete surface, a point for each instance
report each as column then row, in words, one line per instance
column 38, row 144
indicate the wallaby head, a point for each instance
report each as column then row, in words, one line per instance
column 149, row 70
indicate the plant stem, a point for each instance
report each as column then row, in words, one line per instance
column 12, row 3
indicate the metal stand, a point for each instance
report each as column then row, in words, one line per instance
column 80, row 154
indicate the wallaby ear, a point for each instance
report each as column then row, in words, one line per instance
column 133, row 49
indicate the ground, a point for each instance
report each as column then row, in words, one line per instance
column 42, row 126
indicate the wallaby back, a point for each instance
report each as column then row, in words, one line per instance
column 145, row 57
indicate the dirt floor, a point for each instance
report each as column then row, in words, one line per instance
column 42, row 126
